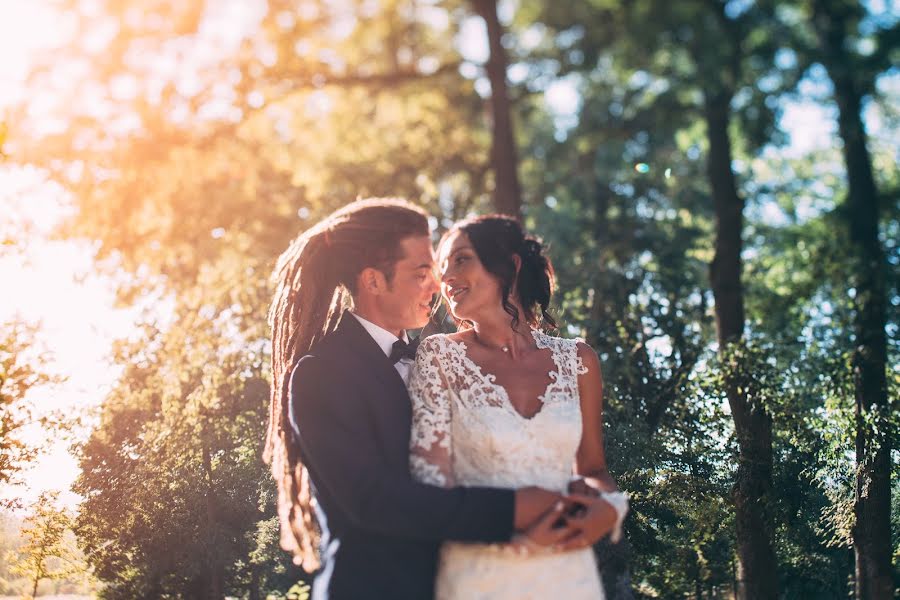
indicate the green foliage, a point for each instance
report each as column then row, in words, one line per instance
column 49, row 550
column 179, row 444
column 10, row 541
column 23, row 366
column 299, row 591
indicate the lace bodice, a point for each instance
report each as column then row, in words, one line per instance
column 467, row 432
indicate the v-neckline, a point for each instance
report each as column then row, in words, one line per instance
column 490, row 379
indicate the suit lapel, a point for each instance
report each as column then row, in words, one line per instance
column 356, row 341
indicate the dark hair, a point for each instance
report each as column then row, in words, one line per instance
column 496, row 240
column 314, row 276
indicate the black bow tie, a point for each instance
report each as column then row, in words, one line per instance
column 401, row 350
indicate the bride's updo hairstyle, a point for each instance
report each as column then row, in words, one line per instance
column 496, row 239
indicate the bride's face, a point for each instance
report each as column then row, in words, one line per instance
column 467, row 287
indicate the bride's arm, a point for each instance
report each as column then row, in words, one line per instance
column 430, row 445
column 605, row 505
column 590, row 460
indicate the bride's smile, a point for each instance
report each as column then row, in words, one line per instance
column 455, row 293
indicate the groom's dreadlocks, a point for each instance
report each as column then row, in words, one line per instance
column 316, row 278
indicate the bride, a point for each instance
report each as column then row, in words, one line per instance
column 503, row 404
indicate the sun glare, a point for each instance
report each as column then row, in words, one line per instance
column 48, row 282
column 53, row 283
column 25, row 29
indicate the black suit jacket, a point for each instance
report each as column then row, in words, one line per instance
column 381, row 529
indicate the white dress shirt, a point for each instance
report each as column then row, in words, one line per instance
column 385, row 340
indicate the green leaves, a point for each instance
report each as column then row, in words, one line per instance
column 180, row 445
column 49, row 550
column 23, row 367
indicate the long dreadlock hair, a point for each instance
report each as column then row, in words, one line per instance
column 316, row 280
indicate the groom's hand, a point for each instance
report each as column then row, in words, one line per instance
column 551, row 530
column 531, row 504
column 592, row 519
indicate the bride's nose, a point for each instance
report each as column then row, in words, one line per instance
column 447, row 277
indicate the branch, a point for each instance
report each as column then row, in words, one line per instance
column 397, row 77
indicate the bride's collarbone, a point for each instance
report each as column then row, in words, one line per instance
column 524, row 380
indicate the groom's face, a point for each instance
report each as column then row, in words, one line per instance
column 407, row 303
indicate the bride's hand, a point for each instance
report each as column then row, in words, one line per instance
column 595, row 518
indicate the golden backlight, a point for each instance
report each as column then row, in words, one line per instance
column 48, row 282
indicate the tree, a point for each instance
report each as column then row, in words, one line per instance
column 288, row 105
column 22, row 368
column 49, row 551
column 507, row 190
column 183, row 424
column 625, row 211
column 800, row 322
column 690, row 61
column 181, row 437
column 835, row 24
column 742, row 51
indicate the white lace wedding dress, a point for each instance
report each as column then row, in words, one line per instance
column 466, row 432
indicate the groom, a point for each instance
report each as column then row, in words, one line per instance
column 340, row 422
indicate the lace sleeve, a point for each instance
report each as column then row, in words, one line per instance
column 431, row 445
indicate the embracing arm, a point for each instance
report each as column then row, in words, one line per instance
column 373, row 487
column 431, row 442
column 590, row 461
column 605, row 506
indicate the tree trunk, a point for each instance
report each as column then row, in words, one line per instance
column 39, row 573
column 215, row 575
column 872, row 505
column 504, row 159
column 752, row 424
column 599, row 309
column 254, row 584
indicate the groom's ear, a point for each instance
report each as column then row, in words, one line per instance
column 517, row 261
column 372, row 281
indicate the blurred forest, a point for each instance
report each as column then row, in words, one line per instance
column 739, row 284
